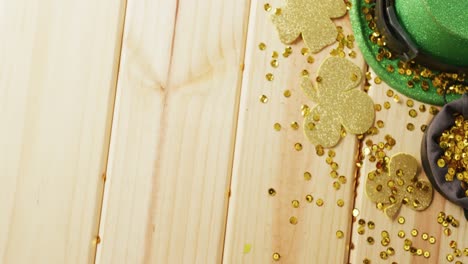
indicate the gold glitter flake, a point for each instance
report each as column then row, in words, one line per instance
column 309, row 198
column 311, row 19
column 338, row 103
column 401, row 167
column 267, row 7
column 263, row 99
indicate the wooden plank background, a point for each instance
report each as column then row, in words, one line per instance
column 132, row 132
column 57, row 76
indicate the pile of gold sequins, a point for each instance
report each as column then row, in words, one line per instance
column 454, row 142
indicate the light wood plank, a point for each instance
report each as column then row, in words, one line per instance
column 57, row 81
column 174, row 129
column 258, row 224
column 395, row 120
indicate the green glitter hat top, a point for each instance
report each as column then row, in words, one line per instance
column 438, row 28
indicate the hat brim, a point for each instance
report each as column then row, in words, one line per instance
column 395, row 80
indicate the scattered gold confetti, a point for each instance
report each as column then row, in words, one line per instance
column 319, row 202
column 276, row 256
column 410, row 126
column 298, row 146
column 402, row 167
column 271, row 192
column 262, row 46
column 355, row 212
column 247, row 248
column 269, row 77
column 274, row 63
column 401, row 220
column 338, row 103
column 339, row 234
column 295, row 203
column 307, row 176
column 401, row 234
column 295, row 125
column 340, row 203
column 277, row 126
column 311, row 19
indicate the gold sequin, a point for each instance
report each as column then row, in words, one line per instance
column 339, row 234
column 293, row 220
column 263, row 99
column 271, row 192
column 309, row 198
column 319, row 202
column 401, row 234
column 401, row 220
column 307, row 176
column 295, row 125
column 267, row 7
column 274, row 63
column 410, row 126
column 277, row 126
column 270, row 77
column 340, row 202
column 295, row 203
column 276, row 256
column 355, row 212
column 262, row 46
column 298, row 146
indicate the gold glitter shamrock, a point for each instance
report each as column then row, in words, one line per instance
column 311, row 18
column 399, row 185
column 339, row 103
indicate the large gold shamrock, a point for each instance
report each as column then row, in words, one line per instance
column 311, row 18
column 338, row 103
column 399, row 185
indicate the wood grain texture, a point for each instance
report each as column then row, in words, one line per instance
column 395, row 122
column 57, row 80
column 258, row 224
column 174, row 130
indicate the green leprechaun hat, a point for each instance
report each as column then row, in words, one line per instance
column 418, row 47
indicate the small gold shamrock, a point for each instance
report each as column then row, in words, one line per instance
column 338, row 103
column 311, row 18
column 399, row 185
